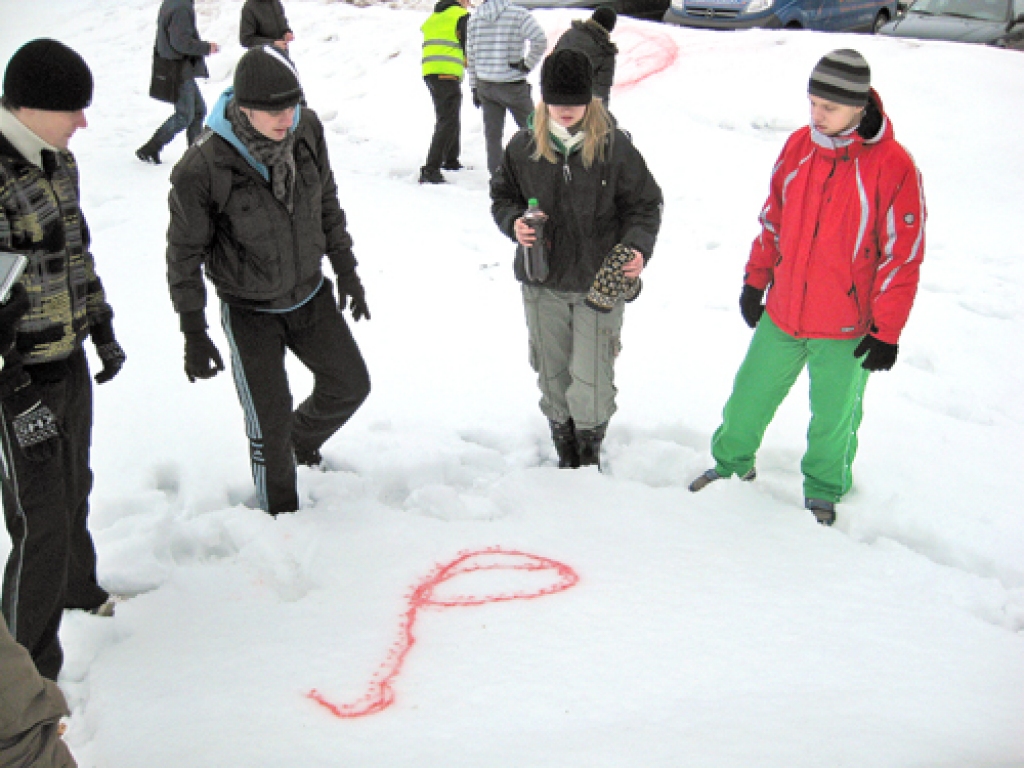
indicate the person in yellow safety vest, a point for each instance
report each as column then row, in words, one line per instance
column 444, row 62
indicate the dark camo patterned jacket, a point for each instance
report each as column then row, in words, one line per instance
column 40, row 218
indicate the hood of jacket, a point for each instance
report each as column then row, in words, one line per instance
column 218, row 122
column 492, row 9
column 877, row 129
column 444, row 5
column 599, row 34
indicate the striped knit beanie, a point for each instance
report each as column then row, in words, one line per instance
column 842, row 76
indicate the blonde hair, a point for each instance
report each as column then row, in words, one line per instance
column 596, row 126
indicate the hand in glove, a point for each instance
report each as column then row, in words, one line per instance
column 349, row 286
column 202, row 360
column 476, row 99
column 35, row 426
column 750, row 305
column 109, row 351
column 878, row 355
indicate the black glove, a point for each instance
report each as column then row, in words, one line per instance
column 750, row 305
column 349, row 285
column 520, row 66
column 113, row 358
column 109, row 351
column 202, row 360
column 35, row 427
column 880, row 356
column 476, row 99
column 11, row 312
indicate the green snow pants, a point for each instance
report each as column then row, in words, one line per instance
column 573, row 350
column 773, row 362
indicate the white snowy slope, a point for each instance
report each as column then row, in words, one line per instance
column 649, row 627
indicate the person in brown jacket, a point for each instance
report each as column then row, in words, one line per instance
column 30, row 711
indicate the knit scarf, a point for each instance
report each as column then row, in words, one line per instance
column 567, row 140
column 278, row 156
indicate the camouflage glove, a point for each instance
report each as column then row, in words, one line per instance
column 611, row 283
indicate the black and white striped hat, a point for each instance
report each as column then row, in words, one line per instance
column 841, row 76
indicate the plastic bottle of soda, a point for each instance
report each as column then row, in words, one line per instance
column 535, row 261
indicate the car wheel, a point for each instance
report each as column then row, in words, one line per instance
column 880, row 21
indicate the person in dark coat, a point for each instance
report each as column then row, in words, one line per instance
column 45, row 388
column 31, row 708
column 177, row 39
column 600, row 200
column 593, row 37
column 255, row 206
column 264, row 23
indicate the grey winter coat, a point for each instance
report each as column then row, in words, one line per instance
column 263, row 23
column 590, row 210
column 177, row 37
column 590, row 38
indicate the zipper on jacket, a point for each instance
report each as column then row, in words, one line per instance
column 566, row 173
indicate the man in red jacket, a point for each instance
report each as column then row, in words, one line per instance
column 841, row 246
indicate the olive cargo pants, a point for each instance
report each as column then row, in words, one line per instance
column 573, row 350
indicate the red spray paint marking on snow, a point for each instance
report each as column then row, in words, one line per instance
column 380, row 693
column 644, row 51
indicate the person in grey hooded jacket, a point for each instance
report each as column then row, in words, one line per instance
column 503, row 45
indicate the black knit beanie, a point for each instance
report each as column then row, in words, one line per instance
column 567, row 79
column 46, row 74
column 606, row 17
column 843, row 77
column 266, row 80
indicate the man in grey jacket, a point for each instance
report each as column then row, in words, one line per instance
column 503, row 44
column 177, row 39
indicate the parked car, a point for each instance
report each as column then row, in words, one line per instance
column 640, row 9
column 994, row 22
column 822, row 15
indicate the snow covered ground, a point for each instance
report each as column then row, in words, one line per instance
column 650, row 627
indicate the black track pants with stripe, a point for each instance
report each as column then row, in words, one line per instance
column 52, row 565
column 318, row 336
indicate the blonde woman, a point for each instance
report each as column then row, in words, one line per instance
column 598, row 194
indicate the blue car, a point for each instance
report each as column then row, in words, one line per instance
column 821, row 15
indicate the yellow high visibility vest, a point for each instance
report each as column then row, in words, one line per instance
column 442, row 54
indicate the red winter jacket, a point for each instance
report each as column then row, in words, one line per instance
column 842, row 236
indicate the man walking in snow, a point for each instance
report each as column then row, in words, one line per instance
column 593, row 38
column 840, row 249
column 177, row 39
column 503, row 45
column 254, row 205
column 444, row 62
column 45, row 391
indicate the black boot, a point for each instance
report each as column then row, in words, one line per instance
column 149, row 153
column 564, row 437
column 589, row 441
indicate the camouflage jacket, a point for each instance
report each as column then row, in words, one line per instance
column 40, row 217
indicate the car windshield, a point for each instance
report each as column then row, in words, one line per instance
column 985, row 10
